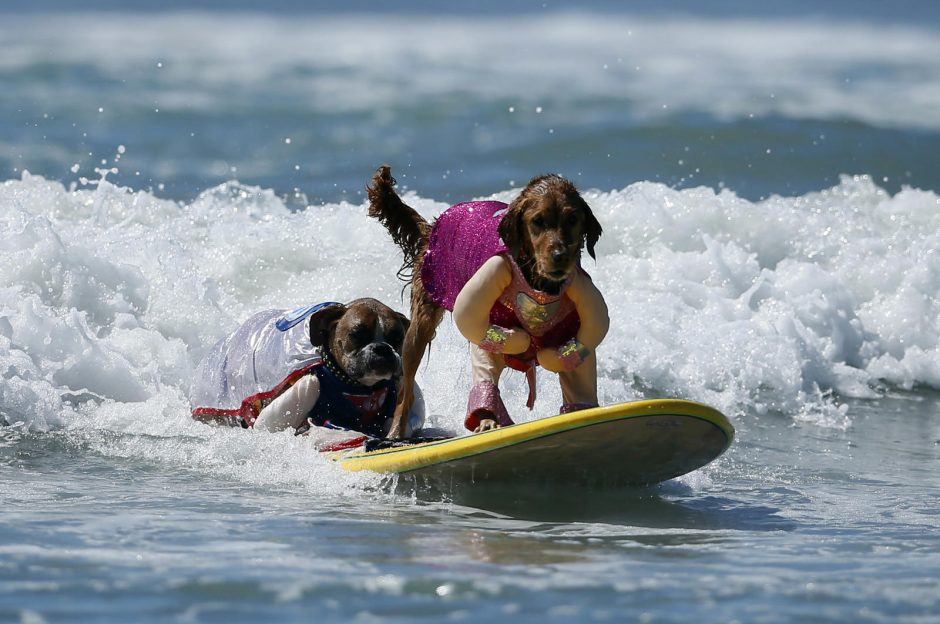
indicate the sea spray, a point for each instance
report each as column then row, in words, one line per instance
column 110, row 296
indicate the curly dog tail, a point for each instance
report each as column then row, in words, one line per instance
column 408, row 229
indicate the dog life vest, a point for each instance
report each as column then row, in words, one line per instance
column 245, row 371
column 463, row 238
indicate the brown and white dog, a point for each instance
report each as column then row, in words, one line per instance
column 328, row 365
column 512, row 277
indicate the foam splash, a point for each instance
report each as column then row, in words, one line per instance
column 776, row 305
column 109, row 297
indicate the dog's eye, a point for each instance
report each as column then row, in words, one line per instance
column 571, row 220
column 396, row 338
column 539, row 223
column 361, row 334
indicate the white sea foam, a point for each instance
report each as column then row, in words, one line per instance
column 730, row 68
column 109, row 297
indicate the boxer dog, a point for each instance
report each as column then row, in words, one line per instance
column 511, row 275
column 329, row 365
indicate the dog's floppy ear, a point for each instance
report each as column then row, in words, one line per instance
column 322, row 320
column 405, row 322
column 512, row 228
column 592, row 228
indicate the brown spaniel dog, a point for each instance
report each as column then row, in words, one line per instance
column 512, row 277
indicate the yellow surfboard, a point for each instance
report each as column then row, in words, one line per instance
column 636, row 443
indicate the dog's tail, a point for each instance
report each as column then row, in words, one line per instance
column 408, row 229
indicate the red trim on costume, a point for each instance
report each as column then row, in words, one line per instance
column 553, row 339
column 346, row 444
column 251, row 407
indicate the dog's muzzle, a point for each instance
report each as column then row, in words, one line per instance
column 375, row 362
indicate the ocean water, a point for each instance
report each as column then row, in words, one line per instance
column 768, row 188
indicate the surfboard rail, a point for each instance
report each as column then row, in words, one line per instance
column 659, row 417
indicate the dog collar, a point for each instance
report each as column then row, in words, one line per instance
column 338, row 372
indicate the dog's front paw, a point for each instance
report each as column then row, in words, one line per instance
column 485, row 425
column 564, row 359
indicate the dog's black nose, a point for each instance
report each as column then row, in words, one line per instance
column 383, row 349
column 558, row 255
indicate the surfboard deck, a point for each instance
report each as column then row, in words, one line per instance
column 636, row 443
